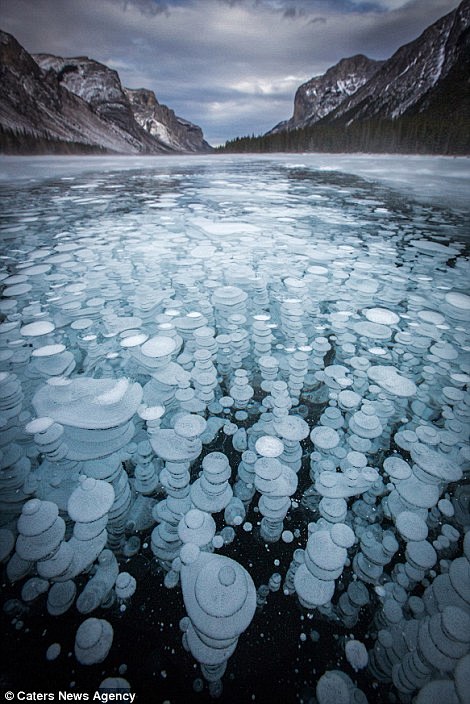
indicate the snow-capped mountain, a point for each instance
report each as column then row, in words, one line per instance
column 322, row 94
column 37, row 113
column 50, row 103
column 426, row 80
column 162, row 123
column 97, row 85
column 405, row 84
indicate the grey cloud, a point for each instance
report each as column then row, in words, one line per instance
column 294, row 12
column 149, row 8
column 231, row 3
column 318, row 20
column 381, row 35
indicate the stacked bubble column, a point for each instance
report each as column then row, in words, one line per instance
column 212, row 492
column 98, row 591
column 197, row 527
column 451, row 586
column 96, row 417
column 40, row 533
column 351, row 602
column 276, row 483
column 325, row 558
column 185, row 396
column 269, row 367
column 241, row 391
column 204, row 376
column 111, row 469
column 325, row 442
column 240, row 341
column 228, row 301
column 298, row 369
column 260, row 298
column 178, row 447
column 419, row 553
column 291, row 315
column 15, row 486
column 377, row 550
column 261, row 336
column 291, row 430
column 244, row 487
column 413, row 652
column 440, row 641
column 146, row 471
column 11, row 406
column 153, row 357
column 56, row 477
column 298, row 559
column 223, row 355
column 186, row 326
column 15, row 465
column 220, row 601
column 145, row 485
column 89, row 506
column 204, row 339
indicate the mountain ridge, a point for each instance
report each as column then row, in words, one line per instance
column 417, row 101
column 161, row 121
column 320, row 95
column 50, row 103
column 411, row 72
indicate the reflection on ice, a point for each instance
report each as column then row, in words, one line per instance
column 209, row 366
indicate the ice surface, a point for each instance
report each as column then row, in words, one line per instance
column 214, row 368
column 434, row 178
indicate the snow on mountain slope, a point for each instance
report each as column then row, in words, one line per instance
column 322, row 94
column 51, row 103
column 413, row 71
column 162, row 123
column 34, row 104
column 428, row 77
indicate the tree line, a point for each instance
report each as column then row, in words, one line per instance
column 20, row 141
column 418, row 134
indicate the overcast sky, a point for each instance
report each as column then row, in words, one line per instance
column 230, row 66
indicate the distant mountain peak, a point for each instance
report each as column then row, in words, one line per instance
column 162, row 123
column 322, row 94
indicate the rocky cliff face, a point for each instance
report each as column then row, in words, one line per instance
column 97, row 85
column 322, row 94
column 162, row 123
column 50, row 103
column 428, row 77
column 33, row 103
column 407, row 81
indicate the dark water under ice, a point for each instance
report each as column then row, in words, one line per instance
column 138, row 225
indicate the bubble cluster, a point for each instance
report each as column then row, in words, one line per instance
column 187, row 389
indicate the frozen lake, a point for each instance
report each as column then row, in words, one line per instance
column 234, row 405
column 438, row 179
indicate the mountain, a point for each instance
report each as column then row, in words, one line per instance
column 100, row 88
column 37, row 114
column 409, row 81
column 162, row 123
column 322, row 94
column 417, row 101
column 54, row 104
